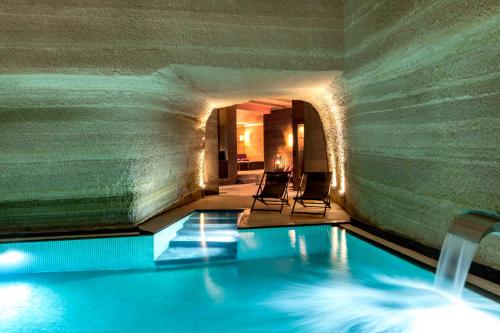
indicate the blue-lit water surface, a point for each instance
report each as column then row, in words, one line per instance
column 303, row 279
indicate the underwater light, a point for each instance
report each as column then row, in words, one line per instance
column 11, row 257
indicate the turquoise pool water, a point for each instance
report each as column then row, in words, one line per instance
column 302, row 279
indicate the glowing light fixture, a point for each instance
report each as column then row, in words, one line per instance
column 342, row 186
column 11, row 257
column 301, row 130
column 334, row 180
column 241, row 138
column 247, row 138
column 290, row 140
column 201, row 169
column 279, row 163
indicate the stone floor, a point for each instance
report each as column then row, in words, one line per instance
column 240, row 197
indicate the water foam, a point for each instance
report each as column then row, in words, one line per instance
column 384, row 304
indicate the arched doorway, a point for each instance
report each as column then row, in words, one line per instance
column 244, row 140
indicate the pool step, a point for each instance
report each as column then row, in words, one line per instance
column 220, row 226
column 207, row 241
column 202, row 240
column 214, row 223
column 208, row 232
column 191, row 255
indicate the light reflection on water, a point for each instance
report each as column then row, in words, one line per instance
column 20, row 300
column 383, row 304
column 338, row 250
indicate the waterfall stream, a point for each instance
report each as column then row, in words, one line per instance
column 454, row 263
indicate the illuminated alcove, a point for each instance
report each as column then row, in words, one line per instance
column 316, row 87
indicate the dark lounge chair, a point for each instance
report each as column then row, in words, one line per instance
column 316, row 192
column 274, row 191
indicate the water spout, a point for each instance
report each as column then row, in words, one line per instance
column 474, row 226
column 460, row 245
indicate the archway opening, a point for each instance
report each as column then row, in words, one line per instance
column 245, row 140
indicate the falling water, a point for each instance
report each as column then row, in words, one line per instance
column 454, row 263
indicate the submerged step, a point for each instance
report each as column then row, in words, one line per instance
column 224, row 226
column 188, row 255
column 212, row 219
column 196, row 232
column 203, row 237
column 207, row 237
column 216, row 214
column 201, row 243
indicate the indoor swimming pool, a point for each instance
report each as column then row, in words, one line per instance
column 289, row 279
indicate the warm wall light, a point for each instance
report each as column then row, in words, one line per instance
column 301, row 130
column 290, row 140
column 201, row 169
column 342, row 186
column 242, row 138
column 247, row 138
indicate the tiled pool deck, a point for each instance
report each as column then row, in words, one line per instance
column 254, row 220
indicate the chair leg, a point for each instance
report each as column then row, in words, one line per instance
column 282, row 203
column 253, row 205
column 327, row 205
column 293, row 207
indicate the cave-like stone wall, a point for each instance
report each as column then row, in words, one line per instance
column 423, row 119
column 89, row 151
column 143, row 36
column 98, row 127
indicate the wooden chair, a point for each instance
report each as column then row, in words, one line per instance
column 273, row 190
column 315, row 193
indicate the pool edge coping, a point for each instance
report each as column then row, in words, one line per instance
column 478, row 284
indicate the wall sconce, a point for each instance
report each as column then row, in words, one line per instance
column 247, row 138
column 290, row 140
column 301, row 130
column 241, row 138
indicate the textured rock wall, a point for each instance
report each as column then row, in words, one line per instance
column 90, row 151
column 315, row 156
column 142, row 36
column 423, row 119
column 98, row 127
